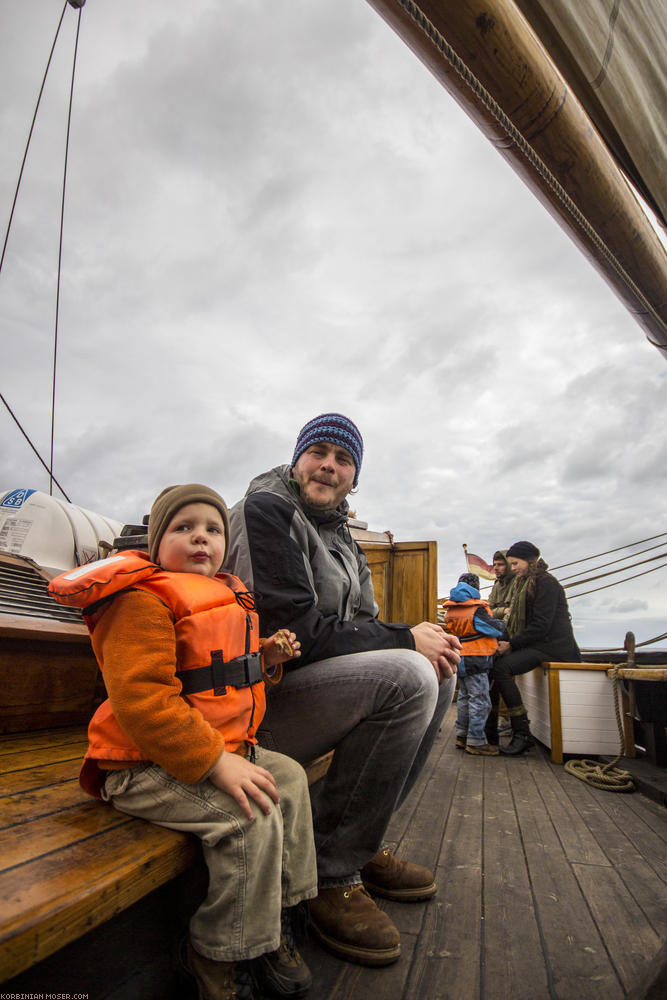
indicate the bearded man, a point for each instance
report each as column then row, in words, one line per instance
column 375, row 692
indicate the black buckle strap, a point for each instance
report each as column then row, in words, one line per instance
column 241, row 672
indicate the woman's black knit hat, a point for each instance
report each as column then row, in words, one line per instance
column 523, row 550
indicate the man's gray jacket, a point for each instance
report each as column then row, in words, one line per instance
column 307, row 572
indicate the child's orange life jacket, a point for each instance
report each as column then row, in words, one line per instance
column 459, row 621
column 217, row 649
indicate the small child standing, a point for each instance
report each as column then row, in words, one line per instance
column 469, row 618
column 177, row 642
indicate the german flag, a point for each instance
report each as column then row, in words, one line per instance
column 477, row 565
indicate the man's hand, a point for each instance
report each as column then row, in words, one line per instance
column 240, row 779
column 442, row 649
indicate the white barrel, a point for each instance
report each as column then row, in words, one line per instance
column 55, row 534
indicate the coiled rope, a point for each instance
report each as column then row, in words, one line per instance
column 608, row 777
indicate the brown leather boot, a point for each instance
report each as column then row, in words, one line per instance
column 348, row 922
column 217, row 980
column 386, row 876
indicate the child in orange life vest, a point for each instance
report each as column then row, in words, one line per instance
column 177, row 642
column 468, row 617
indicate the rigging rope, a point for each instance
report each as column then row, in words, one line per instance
column 77, row 4
column 18, row 424
column 25, row 154
column 60, row 250
column 619, row 649
column 629, row 545
column 613, row 562
column 613, row 572
column 494, row 109
column 606, row 586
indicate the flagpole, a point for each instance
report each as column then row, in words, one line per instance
column 465, row 555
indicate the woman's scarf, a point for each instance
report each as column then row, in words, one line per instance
column 522, row 588
column 516, row 618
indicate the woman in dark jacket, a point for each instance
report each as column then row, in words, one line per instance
column 540, row 629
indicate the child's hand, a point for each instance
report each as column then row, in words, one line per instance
column 283, row 645
column 240, row 779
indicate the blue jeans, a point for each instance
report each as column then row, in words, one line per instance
column 474, row 704
column 255, row 867
column 381, row 711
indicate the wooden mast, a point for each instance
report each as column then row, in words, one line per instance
column 496, row 43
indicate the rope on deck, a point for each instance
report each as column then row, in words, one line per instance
column 608, row 778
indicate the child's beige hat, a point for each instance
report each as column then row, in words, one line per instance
column 170, row 501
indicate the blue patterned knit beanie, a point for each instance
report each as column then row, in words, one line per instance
column 336, row 429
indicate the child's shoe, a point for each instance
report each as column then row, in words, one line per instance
column 283, row 973
column 460, row 742
column 486, row 750
column 217, row 980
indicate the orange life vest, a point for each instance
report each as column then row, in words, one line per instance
column 459, row 621
column 217, row 649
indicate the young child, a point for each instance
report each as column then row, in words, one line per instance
column 178, row 645
column 468, row 617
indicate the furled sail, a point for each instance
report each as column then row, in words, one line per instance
column 535, row 85
column 613, row 54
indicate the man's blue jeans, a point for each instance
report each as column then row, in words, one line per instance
column 381, row 711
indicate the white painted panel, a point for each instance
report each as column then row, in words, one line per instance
column 588, row 718
column 534, row 687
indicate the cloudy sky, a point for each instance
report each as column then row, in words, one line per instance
column 273, row 210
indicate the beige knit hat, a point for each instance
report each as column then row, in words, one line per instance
column 170, row 501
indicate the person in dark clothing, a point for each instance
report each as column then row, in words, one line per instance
column 501, row 593
column 375, row 692
column 540, row 628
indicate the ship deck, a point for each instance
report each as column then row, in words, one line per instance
column 548, row 888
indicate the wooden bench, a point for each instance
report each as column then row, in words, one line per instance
column 67, row 862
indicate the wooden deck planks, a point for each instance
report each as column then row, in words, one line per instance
column 448, row 958
column 575, row 953
column 635, row 851
column 548, row 889
column 629, row 938
column 513, row 964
